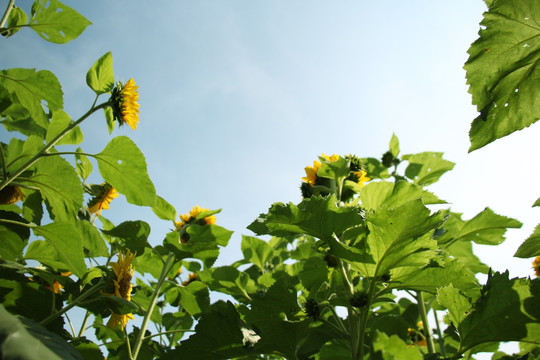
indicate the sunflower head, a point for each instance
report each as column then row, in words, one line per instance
column 536, row 266
column 103, row 196
column 361, row 177
column 311, row 171
column 10, row 195
column 123, row 269
column 124, row 103
column 191, row 218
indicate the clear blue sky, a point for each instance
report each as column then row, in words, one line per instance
column 237, row 97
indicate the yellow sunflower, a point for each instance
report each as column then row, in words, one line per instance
column 123, row 269
column 362, row 177
column 311, row 171
column 190, row 218
column 102, row 200
column 536, row 265
column 124, row 103
column 10, row 195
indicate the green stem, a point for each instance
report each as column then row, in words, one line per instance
column 365, row 317
column 6, row 13
column 15, row 222
column 352, row 317
column 47, row 147
column 140, row 336
column 427, row 329
column 128, row 345
column 70, row 325
column 439, row 335
column 75, row 302
column 3, row 159
column 85, row 321
column 168, row 332
column 338, row 319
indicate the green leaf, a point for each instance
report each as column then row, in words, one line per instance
column 163, row 209
column 93, row 243
column 19, row 152
column 507, row 311
column 487, row 228
column 65, row 246
column 84, row 166
column 59, row 185
column 531, row 246
column 100, row 76
column 537, row 202
column 135, row 234
column 400, row 237
column 426, row 168
column 87, row 349
column 31, row 88
column 33, row 208
column 377, row 194
column 59, row 122
column 123, row 166
column 256, row 251
column 316, row 216
column 17, row 18
column 228, row 280
column 394, row 145
column 195, row 297
column 336, row 170
column 14, row 237
column 23, row 338
column 458, row 305
column 218, row 335
column 502, row 70
column 109, row 117
column 56, row 22
column 394, row 347
column 314, row 273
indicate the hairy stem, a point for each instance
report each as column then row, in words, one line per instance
column 6, row 13
column 140, row 336
column 427, row 329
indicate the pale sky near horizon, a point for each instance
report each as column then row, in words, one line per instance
column 238, row 97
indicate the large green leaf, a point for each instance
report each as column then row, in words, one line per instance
column 195, row 297
column 393, row 347
column 163, row 209
column 93, row 243
column 67, row 247
column 19, row 152
column 100, row 76
column 59, row 185
column 391, row 195
column 14, row 237
column 458, row 305
column 256, row 251
column 502, row 71
column 56, row 22
column 506, row 311
column 59, row 122
column 487, row 228
column 134, row 233
column 17, row 18
column 400, row 237
column 317, row 216
column 531, row 246
column 229, row 280
column 31, row 88
column 426, row 168
column 123, row 166
column 21, row 338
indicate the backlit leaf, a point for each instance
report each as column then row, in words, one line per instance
column 256, row 251
column 426, row 168
column 59, row 122
column 123, row 166
column 14, row 237
column 56, row 22
column 531, row 246
column 100, row 76
column 376, row 194
column 502, row 71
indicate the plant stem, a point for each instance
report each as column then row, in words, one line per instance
column 167, row 332
column 140, row 336
column 427, row 329
column 365, row 317
column 6, row 13
column 3, row 159
column 75, row 302
column 439, row 334
column 15, row 222
column 48, row 146
column 354, row 335
column 86, row 317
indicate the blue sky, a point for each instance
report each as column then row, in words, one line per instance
column 237, row 97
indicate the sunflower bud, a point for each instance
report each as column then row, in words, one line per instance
column 359, row 299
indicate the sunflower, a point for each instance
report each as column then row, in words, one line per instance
column 311, row 171
column 192, row 218
column 362, row 177
column 124, row 103
column 536, row 265
column 122, row 286
column 10, row 195
column 102, row 199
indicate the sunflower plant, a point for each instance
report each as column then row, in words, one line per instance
column 363, row 267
